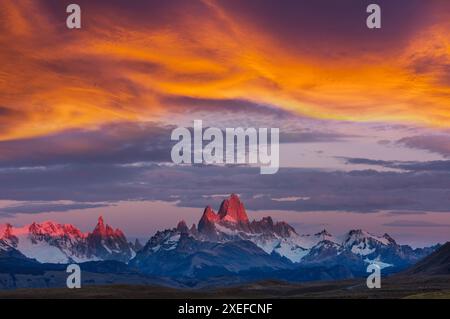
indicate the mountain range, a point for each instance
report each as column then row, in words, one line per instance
column 50, row 242
column 223, row 248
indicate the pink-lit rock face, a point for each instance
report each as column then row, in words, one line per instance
column 62, row 243
column 278, row 238
column 233, row 210
column 233, row 216
column 207, row 221
column 103, row 230
column 53, row 229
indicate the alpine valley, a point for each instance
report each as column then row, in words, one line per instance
column 224, row 248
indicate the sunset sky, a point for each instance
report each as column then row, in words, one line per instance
column 364, row 115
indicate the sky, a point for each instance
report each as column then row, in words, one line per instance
column 86, row 114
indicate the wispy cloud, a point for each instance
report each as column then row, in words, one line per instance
column 402, row 165
column 414, row 223
column 44, row 207
column 433, row 143
column 309, row 190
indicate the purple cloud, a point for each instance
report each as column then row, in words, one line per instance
column 434, row 143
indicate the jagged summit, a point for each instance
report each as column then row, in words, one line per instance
column 231, row 215
column 53, row 229
column 206, row 223
column 137, row 245
column 6, row 231
column 100, row 221
column 210, row 215
column 100, row 228
column 232, row 223
column 182, row 227
column 104, row 230
column 389, row 238
column 7, row 238
column 53, row 242
column 233, row 210
column 356, row 235
column 323, row 233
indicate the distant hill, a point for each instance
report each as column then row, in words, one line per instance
column 437, row 263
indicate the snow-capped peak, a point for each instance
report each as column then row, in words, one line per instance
column 103, row 230
column 324, row 235
column 5, row 231
column 357, row 235
column 389, row 239
column 231, row 223
column 231, row 216
column 52, row 229
column 7, row 239
column 364, row 243
column 51, row 242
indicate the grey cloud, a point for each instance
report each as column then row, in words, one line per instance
column 358, row 191
column 115, row 143
column 402, row 165
column 409, row 212
column 366, row 161
column 383, row 142
column 43, row 207
column 311, row 137
column 112, row 143
column 125, row 161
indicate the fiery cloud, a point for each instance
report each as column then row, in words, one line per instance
column 128, row 60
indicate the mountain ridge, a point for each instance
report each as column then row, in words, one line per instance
column 309, row 256
column 52, row 242
column 223, row 244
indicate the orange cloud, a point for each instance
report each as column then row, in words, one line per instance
column 119, row 68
